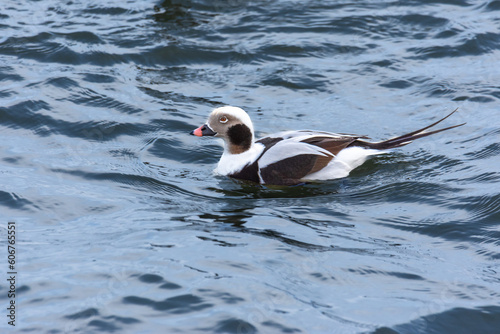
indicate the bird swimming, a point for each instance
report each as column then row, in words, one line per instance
column 293, row 157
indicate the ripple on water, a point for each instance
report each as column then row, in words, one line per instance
column 155, row 279
column 177, row 305
column 8, row 73
column 485, row 208
column 477, row 226
column 14, row 201
column 29, row 115
column 174, row 150
column 479, row 44
column 480, row 319
column 100, row 98
column 486, row 152
column 493, row 6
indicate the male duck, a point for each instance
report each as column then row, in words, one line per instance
column 292, row 157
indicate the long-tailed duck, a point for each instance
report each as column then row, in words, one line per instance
column 292, row 157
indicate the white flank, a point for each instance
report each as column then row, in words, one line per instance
column 340, row 166
column 303, row 134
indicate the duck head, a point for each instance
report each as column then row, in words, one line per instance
column 231, row 124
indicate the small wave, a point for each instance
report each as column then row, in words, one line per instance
column 306, row 49
column 476, row 221
column 481, row 43
column 28, row 115
column 487, row 152
column 408, row 191
column 75, row 48
column 373, row 271
column 493, row 6
column 295, row 78
column 7, row 73
column 399, row 84
column 140, row 183
column 14, row 201
column 62, row 82
column 176, row 305
column 484, row 319
column 488, row 177
column 177, row 97
column 91, row 98
column 484, row 208
column 185, row 15
column 85, row 314
column 170, row 149
column 105, row 10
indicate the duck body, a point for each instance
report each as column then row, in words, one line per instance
column 291, row 157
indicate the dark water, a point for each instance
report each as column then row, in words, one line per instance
column 122, row 227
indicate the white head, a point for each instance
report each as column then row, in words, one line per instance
column 231, row 124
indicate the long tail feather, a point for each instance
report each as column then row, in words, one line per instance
column 406, row 138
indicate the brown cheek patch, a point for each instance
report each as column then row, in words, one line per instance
column 240, row 138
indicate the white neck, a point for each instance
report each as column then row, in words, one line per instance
column 231, row 163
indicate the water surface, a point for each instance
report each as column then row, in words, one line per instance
column 122, row 226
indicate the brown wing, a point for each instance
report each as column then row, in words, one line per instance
column 332, row 144
column 291, row 170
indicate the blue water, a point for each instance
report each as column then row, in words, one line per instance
column 123, row 228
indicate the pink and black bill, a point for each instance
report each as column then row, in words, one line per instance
column 203, row 130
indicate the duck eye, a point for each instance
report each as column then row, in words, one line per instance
column 223, row 119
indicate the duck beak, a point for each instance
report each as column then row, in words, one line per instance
column 203, row 130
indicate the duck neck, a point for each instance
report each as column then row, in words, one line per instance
column 237, row 149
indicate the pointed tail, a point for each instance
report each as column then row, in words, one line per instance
column 405, row 139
